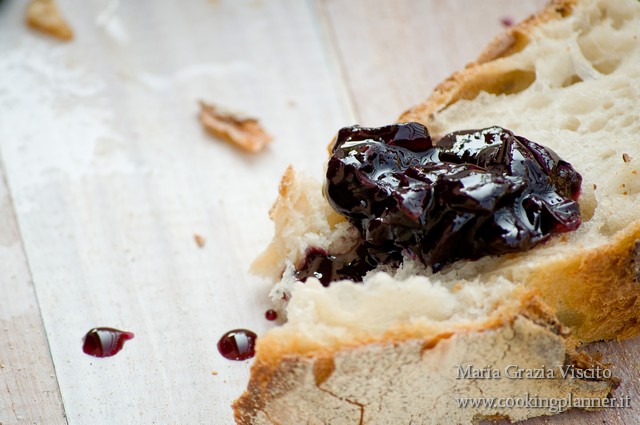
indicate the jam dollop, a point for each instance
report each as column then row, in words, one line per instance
column 238, row 344
column 104, row 342
column 475, row 193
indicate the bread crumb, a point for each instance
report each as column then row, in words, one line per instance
column 44, row 16
column 244, row 132
column 626, row 157
column 634, row 172
column 595, row 186
column 200, row 241
column 214, row 373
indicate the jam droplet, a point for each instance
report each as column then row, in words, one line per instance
column 105, row 342
column 238, row 344
column 271, row 315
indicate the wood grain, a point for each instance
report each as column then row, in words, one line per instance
column 28, row 385
column 112, row 175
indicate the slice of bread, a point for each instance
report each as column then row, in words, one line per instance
column 389, row 351
column 401, row 352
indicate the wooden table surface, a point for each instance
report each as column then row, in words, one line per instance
column 106, row 175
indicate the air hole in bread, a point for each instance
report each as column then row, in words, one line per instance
column 628, row 121
column 607, row 154
column 616, row 15
column 503, row 83
column 571, row 81
column 595, row 41
column 597, row 124
column 607, row 66
column 570, row 123
column 513, row 82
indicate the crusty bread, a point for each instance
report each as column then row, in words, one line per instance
column 386, row 351
column 348, row 355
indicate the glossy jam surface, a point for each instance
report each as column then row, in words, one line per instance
column 478, row 192
column 352, row 265
column 105, row 342
column 238, row 344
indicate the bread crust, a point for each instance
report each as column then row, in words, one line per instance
column 383, row 382
column 596, row 292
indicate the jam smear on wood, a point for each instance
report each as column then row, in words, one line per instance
column 105, row 342
column 238, row 344
column 476, row 193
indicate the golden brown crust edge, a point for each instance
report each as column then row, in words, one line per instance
column 275, row 377
column 476, row 76
column 595, row 292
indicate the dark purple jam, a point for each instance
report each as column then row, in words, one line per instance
column 238, row 344
column 271, row 315
column 105, row 342
column 327, row 268
column 478, row 192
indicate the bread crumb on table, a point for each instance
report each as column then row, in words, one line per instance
column 200, row 240
column 244, row 132
column 44, row 16
column 626, row 157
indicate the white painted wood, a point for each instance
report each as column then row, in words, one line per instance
column 28, row 386
column 111, row 175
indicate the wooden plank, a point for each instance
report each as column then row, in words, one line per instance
column 112, row 175
column 28, row 387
